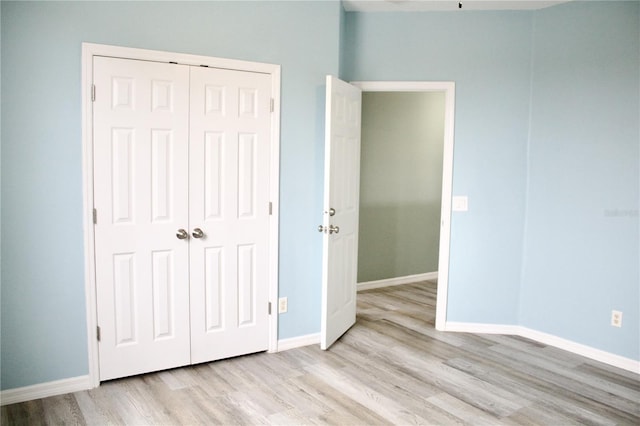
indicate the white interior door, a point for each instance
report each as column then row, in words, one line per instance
column 229, row 187
column 141, row 115
column 341, row 207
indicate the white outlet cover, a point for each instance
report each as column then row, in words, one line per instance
column 460, row 203
column 616, row 318
column 282, row 305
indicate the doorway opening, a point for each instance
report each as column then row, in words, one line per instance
column 395, row 252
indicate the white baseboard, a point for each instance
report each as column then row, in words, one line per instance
column 368, row 285
column 548, row 339
column 471, row 327
column 297, row 342
column 43, row 390
column 584, row 350
column 75, row 384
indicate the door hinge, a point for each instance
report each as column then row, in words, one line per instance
column 93, row 93
column 270, row 208
column 273, row 102
column 269, row 308
column 95, row 216
column 98, row 333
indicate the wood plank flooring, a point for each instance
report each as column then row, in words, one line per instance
column 392, row 367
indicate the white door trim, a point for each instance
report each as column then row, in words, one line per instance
column 449, row 88
column 89, row 50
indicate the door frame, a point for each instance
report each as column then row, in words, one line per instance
column 449, row 88
column 89, row 50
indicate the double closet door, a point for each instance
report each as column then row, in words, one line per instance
column 181, row 184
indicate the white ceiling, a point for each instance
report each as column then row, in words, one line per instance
column 443, row 5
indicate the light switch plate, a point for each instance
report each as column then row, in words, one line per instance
column 460, row 203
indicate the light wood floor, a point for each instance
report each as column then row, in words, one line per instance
column 392, row 367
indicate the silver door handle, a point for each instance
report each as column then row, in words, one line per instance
column 332, row 229
column 332, row 211
column 182, row 234
column 197, row 233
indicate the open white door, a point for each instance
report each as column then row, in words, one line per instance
column 341, row 206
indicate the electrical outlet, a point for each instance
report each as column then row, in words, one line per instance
column 282, row 305
column 616, row 318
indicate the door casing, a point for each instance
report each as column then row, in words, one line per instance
column 89, row 50
column 448, row 87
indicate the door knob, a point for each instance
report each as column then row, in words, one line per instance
column 182, row 234
column 332, row 211
column 197, row 233
column 332, row 229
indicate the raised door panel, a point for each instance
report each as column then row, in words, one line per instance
column 247, row 174
column 229, row 185
column 122, row 143
column 214, row 290
column 163, row 288
column 162, row 149
column 214, row 171
column 141, row 198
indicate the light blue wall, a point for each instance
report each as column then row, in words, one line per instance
column 583, row 163
column 488, row 56
column 43, row 303
column 551, row 240
column 582, row 236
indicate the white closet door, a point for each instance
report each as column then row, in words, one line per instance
column 230, row 131
column 141, row 116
